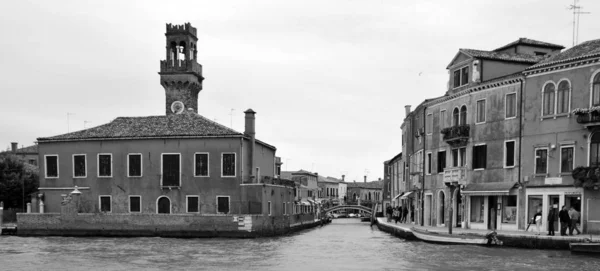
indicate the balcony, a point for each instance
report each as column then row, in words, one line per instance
column 456, row 135
column 180, row 66
column 588, row 119
column 455, row 175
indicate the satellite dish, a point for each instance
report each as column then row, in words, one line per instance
column 177, row 107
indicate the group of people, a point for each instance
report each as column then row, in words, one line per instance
column 568, row 220
column 397, row 214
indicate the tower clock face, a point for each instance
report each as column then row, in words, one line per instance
column 177, row 107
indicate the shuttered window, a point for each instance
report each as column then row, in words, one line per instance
column 171, row 173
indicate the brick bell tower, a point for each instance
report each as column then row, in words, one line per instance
column 180, row 73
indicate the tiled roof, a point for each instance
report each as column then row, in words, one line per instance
column 29, row 149
column 526, row 41
column 188, row 124
column 370, row 185
column 582, row 51
column 512, row 57
column 176, row 125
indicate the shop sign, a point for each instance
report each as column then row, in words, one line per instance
column 553, row 180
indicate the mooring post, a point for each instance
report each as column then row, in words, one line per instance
column 1, row 215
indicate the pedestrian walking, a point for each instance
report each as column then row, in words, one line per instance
column 574, row 219
column 537, row 219
column 551, row 219
column 565, row 220
column 388, row 213
column 404, row 214
column 396, row 214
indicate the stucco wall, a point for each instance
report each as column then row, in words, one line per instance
column 494, row 69
column 148, row 186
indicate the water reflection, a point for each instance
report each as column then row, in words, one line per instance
column 346, row 244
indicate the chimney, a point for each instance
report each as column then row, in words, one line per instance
column 406, row 110
column 250, row 132
column 14, row 146
column 343, row 176
column 365, row 178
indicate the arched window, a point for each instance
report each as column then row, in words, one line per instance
column 455, row 116
column 595, row 150
column 548, row 106
column 596, row 90
column 163, row 205
column 463, row 115
column 562, row 97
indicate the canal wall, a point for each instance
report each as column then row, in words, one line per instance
column 516, row 239
column 165, row 225
column 402, row 230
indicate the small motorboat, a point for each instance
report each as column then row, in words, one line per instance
column 460, row 238
column 585, row 247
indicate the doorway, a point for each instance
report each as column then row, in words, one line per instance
column 457, row 208
column 554, row 201
column 163, row 205
column 492, row 217
column 441, row 208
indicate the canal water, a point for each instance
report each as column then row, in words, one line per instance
column 345, row 244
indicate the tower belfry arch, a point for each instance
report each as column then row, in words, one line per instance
column 180, row 73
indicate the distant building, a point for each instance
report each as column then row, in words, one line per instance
column 28, row 154
column 367, row 193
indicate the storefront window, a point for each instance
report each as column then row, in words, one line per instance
column 477, row 209
column 533, row 204
column 509, row 209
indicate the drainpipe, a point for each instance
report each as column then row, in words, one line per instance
column 520, row 140
column 423, row 173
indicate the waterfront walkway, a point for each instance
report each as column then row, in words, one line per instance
column 529, row 239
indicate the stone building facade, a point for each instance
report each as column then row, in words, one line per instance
column 473, row 153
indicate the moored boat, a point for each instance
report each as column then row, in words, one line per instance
column 585, row 247
column 473, row 239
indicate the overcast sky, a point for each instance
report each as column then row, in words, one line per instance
column 328, row 79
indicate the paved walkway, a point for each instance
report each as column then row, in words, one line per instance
column 543, row 235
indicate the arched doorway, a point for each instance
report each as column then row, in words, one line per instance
column 441, row 202
column 163, row 205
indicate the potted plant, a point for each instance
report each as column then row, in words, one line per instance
column 580, row 111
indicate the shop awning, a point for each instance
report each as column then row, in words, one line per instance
column 312, row 201
column 486, row 189
column 397, row 196
column 305, row 203
column 406, row 195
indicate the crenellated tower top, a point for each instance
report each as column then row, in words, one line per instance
column 180, row 73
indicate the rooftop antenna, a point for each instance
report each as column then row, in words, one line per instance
column 576, row 12
column 231, row 118
column 69, row 122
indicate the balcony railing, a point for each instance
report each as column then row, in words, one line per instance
column 455, row 175
column 588, row 119
column 456, row 135
column 176, row 66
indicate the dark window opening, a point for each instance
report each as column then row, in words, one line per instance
column 135, row 204
column 510, row 153
column 441, row 166
column 595, row 150
column 135, row 165
column 479, row 156
column 539, row 53
column 229, row 164
column 104, row 165
column 566, row 159
column 51, row 166
column 170, row 171
column 79, row 165
column 193, row 205
column 105, row 205
column 201, row 166
column 223, row 205
column 541, row 160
